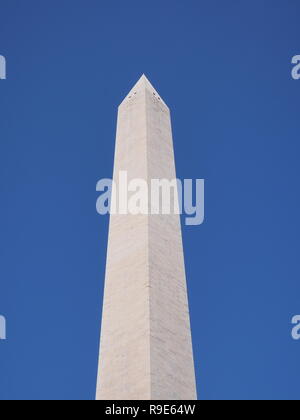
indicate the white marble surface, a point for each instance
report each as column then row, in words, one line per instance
column 146, row 350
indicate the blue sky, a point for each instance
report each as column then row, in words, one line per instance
column 224, row 68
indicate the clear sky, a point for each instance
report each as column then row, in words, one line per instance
column 224, row 69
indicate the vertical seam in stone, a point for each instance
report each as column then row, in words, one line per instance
column 148, row 240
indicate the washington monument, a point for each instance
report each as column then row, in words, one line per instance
column 146, row 347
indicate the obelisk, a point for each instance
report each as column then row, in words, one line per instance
column 146, row 347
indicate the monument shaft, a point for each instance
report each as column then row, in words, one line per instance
column 146, row 348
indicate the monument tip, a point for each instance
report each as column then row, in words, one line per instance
column 143, row 83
